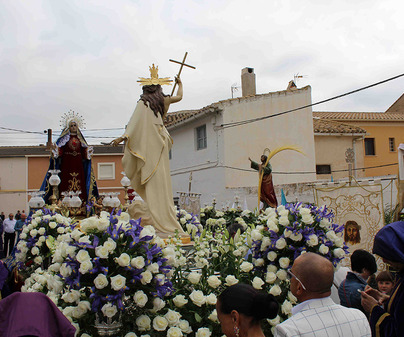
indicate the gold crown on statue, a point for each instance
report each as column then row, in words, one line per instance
column 154, row 78
column 72, row 116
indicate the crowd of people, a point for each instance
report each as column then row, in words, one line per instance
column 10, row 229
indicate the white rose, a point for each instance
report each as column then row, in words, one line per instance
column 158, row 304
column 211, row 299
column 296, row 237
column 198, row 298
column 282, row 274
column 35, row 251
column 101, row 281
column 102, row 224
column 147, row 231
column 60, row 230
column 41, row 231
column 284, row 220
column 246, row 266
column 85, row 266
column 102, row 252
column 23, row 236
column 65, row 270
column 194, row 277
column 140, row 298
column 275, row 290
column 71, row 296
column 52, row 224
column 146, row 277
column 257, row 283
column 184, row 326
column 230, row 280
column 256, row 235
column 172, row 317
column 339, row 253
column 331, row 235
column 312, row 241
column 82, row 255
column 38, row 260
column 304, row 211
column 109, row 310
column 214, row 281
column 110, row 245
column 203, row 332
column 325, row 223
column 180, row 301
column 270, row 277
column 160, row 323
column 33, row 232
column 271, row 256
column 259, row 262
column 118, row 282
column 286, row 307
column 153, row 268
column 174, row 332
column 138, row 262
column 41, row 239
column 143, row 323
column 123, row 260
column 307, row 219
column 213, row 316
column 82, row 308
column 284, row 262
column 129, row 334
column 280, row 243
column 272, row 268
column 323, row 249
column 292, row 298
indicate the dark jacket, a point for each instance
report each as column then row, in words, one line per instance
column 348, row 291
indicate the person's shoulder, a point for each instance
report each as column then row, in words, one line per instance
column 352, row 312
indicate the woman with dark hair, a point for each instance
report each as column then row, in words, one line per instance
column 388, row 320
column 240, row 308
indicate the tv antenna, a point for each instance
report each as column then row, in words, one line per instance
column 234, row 88
column 297, row 76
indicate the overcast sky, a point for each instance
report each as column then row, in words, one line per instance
column 87, row 55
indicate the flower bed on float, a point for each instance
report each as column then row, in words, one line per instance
column 110, row 269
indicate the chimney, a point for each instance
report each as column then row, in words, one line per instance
column 248, row 82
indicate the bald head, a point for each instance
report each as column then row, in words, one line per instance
column 315, row 272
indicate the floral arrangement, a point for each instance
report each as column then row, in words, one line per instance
column 39, row 238
column 212, row 218
column 190, row 223
column 110, row 267
column 284, row 234
column 113, row 261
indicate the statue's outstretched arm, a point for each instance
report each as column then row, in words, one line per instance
column 178, row 97
column 118, row 140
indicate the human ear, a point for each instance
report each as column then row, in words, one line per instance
column 235, row 316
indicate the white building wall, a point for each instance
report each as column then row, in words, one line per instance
column 205, row 164
column 13, row 185
column 250, row 140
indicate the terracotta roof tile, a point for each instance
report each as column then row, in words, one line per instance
column 360, row 116
column 328, row 126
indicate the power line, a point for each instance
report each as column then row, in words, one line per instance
column 247, row 121
column 23, row 131
column 308, row 172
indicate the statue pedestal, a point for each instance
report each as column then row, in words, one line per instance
column 185, row 238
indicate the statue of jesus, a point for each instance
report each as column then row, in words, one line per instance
column 147, row 144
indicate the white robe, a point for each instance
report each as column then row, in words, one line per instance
column 146, row 163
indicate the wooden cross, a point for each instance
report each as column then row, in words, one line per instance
column 182, row 65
